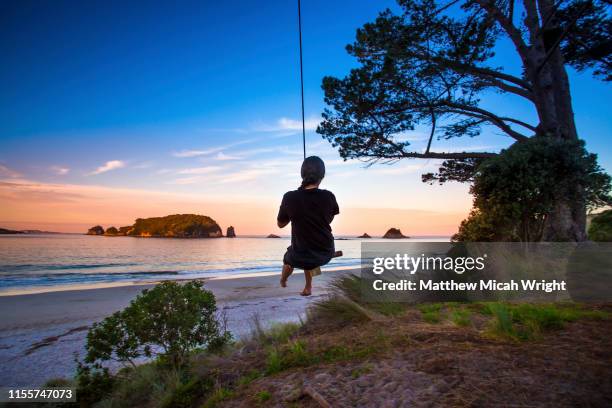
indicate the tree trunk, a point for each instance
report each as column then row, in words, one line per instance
column 546, row 70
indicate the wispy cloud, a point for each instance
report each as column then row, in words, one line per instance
column 200, row 170
column 212, row 150
column 60, row 170
column 247, row 175
column 285, row 124
column 7, row 172
column 143, row 165
column 108, row 166
column 223, row 157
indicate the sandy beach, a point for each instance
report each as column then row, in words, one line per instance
column 40, row 333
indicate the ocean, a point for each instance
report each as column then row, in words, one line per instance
column 40, row 263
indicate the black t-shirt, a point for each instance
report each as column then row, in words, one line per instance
column 310, row 212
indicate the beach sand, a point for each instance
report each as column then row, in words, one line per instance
column 40, row 333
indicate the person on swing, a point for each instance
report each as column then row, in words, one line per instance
column 310, row 211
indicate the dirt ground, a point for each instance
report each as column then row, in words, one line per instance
column 416, row 364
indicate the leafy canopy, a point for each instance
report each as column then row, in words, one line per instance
column 430, row 64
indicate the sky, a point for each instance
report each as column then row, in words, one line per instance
column 113, row 110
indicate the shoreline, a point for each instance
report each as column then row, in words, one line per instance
column 37, row 290
column 40, row 333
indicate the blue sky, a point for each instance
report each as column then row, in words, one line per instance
column 202, row 98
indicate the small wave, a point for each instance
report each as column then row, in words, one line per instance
column 55, row 267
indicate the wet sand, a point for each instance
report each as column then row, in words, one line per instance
column 40, row 333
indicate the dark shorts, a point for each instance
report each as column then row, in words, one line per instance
column 312, row 261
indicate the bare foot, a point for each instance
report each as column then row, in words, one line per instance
column 306, row 292
column 287, row 270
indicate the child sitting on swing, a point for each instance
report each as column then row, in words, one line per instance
column 310, row 211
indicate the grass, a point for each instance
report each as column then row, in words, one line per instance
column 263, row 396
column 217, row 397
column 430, row 312
column 461, row 317
column 336, row 311
column 529, row 321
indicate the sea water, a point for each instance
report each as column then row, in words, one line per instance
column 38, row 263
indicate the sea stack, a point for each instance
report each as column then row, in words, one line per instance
column 97, row 230
column 230, row 232
column 394, row 233
column 365, row 235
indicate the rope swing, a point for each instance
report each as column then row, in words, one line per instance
column 302, row 77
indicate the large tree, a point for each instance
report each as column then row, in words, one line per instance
column 431, row 64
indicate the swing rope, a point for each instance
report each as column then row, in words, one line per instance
column 302, row 78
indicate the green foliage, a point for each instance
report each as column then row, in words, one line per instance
column 528, row 321
column 515, row 192
column 169, row 320
column 601, row 227
column 94, row 383
column 177, row 225
column 461, row 317
column 218, row 396
column 187, row 393
column 263, row 396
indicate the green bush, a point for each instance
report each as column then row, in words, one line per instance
column 169, row 320
column 601, row 227
column 516, row 191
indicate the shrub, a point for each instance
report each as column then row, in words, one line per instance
column 169, row 320
column 515, row 191
column 601, row 227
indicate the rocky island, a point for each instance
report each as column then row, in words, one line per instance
column 365, row 235
column 170, row 226
column 394, row 233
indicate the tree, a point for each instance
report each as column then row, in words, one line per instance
column 601, row 227
column 169, row 320
column 430, row 66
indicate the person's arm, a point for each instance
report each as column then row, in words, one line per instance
column 335, row 210
column 283, row 215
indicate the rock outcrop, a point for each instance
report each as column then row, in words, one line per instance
column 365, row 235
column 97, row 230
column 123, row 231
column 272, row 236
column 394, row 233
column 230, row 232
column 111, row 231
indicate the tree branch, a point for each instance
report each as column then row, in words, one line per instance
column 486, row 73
column 513, row 32
column 432, row 155
column 494, row 119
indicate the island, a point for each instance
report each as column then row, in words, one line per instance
column 8, row 231
column 231, row 233
column 272, row 236
column 365, row 235
column 394, row 233
column 97, row 230
column 170, row 226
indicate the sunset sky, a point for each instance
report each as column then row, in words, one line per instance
column 115, row 110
